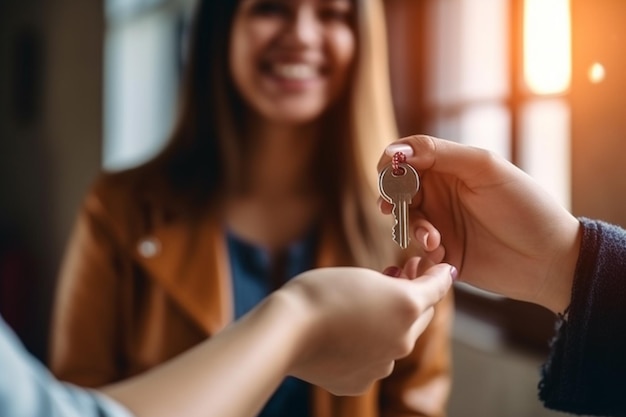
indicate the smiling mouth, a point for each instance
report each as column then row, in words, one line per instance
column 295, row 72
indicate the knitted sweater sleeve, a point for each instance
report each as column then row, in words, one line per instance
column 586, row 370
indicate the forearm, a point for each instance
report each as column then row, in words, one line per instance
column 232, row 375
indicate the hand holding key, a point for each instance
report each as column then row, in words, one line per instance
column 491, row 220
column 398, row 183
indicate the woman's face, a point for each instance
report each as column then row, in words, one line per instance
column 290, row 59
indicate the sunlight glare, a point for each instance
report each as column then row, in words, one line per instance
column 547, row 46
column 596, row 73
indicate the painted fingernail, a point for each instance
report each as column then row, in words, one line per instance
column 399, row 147
column 421, row 235
column 393, row 271
column 454, row 273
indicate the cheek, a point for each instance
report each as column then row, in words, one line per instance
column 344, row 47
column 247, row 42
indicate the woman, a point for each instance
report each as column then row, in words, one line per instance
column 268, row 173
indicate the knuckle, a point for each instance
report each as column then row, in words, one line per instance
column 406, row 347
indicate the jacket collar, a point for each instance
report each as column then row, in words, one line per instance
column 190, row 260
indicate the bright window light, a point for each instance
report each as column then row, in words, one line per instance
column 547, row 46
column 140, row 89
column 596, row 73
column 545, row 148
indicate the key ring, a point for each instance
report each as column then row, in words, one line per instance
column 397, row 159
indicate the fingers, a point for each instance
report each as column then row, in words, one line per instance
column 384, row 206
column 416, row 266
column 428, row 240
column 395, row 272
column 433, row 285
column 442, row 156
column 425, row 234
column 413, row 268
column 428, row 283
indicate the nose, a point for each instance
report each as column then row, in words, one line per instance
column 304, row 28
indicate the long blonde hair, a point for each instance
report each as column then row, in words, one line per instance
column 375, row 127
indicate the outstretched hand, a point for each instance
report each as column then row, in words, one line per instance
column 339, row 328
column 381, row 315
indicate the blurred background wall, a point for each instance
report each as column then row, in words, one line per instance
column 73, row 74
column 51, row 67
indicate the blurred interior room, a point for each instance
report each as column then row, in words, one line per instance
column 91, row 85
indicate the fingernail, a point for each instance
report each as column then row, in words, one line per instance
column 421, row 235
column 454, row 273
column 393, row 271
column 399, row 147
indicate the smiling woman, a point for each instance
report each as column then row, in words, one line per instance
column 290, row 60
column 269, row 172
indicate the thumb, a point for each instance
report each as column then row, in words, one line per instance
column 429, row 288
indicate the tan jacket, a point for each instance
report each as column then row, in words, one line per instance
column 140, row 284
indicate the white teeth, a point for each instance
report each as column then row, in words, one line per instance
column 295, row 71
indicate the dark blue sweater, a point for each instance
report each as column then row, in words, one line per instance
column 586, row 371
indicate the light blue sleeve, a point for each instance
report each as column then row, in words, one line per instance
column 28, row 389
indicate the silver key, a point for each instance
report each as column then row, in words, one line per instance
column 399, row 190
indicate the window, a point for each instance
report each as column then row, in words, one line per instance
column 142, row 57
column 497, row 76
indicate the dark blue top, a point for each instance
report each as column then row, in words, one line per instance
column 586, row 372
column 255, row 274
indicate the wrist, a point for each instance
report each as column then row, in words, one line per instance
column 298, row 318
column 560, row 277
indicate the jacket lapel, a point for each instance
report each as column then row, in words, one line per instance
column 191, row 263
column 190, row 260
